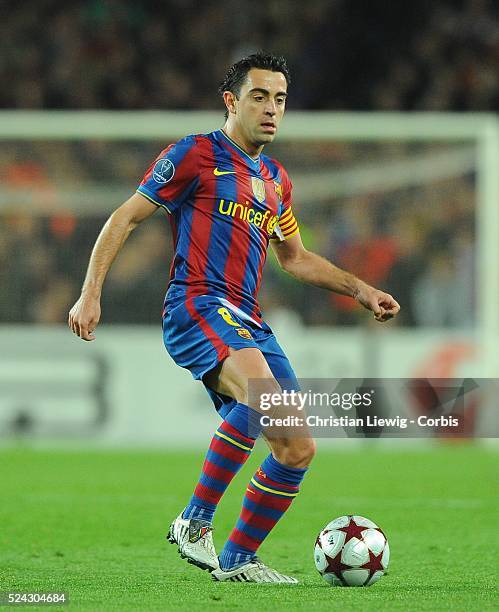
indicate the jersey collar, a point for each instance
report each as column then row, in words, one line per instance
column 253, row 160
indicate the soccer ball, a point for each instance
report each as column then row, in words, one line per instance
column 351, row 551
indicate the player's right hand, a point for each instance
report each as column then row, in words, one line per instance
column 84, row 317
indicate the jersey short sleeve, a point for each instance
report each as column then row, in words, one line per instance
column 287, row 225
column 172, row 176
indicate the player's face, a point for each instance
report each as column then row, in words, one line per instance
column 261, row 105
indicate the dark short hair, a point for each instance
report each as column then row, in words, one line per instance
column 237, row 73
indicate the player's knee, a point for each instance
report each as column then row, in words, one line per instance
column 297, row 452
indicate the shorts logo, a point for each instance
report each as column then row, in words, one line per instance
column 227, row 317
column 244, row 333
column 163, row 170
column 258, row 187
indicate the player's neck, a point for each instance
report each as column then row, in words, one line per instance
column 234, row 134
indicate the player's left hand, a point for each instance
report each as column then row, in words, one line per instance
column 383, row 305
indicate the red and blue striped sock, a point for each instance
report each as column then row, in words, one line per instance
column 268, row 496
column 228, row 451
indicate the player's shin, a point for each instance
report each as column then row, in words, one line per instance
column 229, row 449
column 268, row 495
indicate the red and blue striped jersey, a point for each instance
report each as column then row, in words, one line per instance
column 224, row 208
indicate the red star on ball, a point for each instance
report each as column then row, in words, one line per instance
column 336, row 566
column 374, row 564
column 353, row 530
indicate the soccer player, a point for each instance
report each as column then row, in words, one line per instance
column 226, row 201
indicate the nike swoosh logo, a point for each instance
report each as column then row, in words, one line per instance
column 218, row 172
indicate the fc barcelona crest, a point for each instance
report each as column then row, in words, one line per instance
column 244, row 333
column 258, row 187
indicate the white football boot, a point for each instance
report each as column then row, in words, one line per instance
column 254, row 571
column 194, row 539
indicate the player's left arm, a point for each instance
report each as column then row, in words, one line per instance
column 311, row 268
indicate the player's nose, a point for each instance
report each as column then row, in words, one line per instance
column 270, row 108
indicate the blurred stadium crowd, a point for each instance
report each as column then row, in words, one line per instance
column 109, row 54
column 119, row 54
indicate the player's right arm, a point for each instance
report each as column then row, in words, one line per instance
column 84, row 316
column 167, row 184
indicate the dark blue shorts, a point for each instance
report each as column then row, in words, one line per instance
column 198, row 332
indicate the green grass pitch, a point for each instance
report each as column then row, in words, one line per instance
column 93, row 524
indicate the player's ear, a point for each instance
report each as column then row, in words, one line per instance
column 230, row 101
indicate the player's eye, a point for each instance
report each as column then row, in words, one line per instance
column 280, row 100
column 258, row 98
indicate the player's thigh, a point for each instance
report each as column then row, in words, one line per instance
column 244, row 375
column 279, row 363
